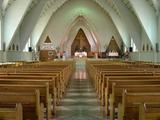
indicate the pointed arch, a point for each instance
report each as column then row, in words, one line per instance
column 41, row 25
column 147, row 17
column 80, row 43
column 80, row 23
column 132, row 24
column 119, row 23
column 12, row 19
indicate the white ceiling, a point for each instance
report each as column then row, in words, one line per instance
column 58, row 4
column 50, row 3
column 34, row 2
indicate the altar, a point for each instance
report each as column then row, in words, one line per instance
column 113, row 54
column 80, row 54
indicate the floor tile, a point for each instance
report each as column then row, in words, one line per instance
column 80, row 101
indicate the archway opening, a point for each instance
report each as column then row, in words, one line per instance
column 80, row 43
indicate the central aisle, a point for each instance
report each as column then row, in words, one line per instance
column 80, row 102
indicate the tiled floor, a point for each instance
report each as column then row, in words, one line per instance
column 80, row 102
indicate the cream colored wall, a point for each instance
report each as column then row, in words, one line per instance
column 145, row 56
column 100, row 22
column 145, row 41
column 10, row 56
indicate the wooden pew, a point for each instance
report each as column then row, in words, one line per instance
column 149, row 111
column 102, row 86
column 40, row 73
column 96, row 68
column 65, row 73
column 117, row 90
column 101, row 74
column 105, row 84
column 97, row 72
column 100, row 82
column 62, row 75
column 32, row 81
column 129, row 108
column 55, row 86
column 12, row 113
column 32, row 108
column 108, row 88
column 45, row 96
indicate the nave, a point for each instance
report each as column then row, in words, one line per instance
column 80, row 90
column 81, row 101
column 79, row 59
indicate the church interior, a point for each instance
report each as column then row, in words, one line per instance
column 79, row 60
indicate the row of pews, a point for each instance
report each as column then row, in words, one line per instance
column 128, row 91
column 31, row 91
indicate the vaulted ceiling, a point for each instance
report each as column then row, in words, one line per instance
column 43, row 10
column 6, row 3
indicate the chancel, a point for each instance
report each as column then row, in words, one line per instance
column 79, row 60
column 80, row 46
column 80, row 54
column 113, row 53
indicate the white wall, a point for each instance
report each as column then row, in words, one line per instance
column 147, row 16
column 64, row 17
column 0, row 33
column 29, row 22
column 16, row 39
column 10, row 56
column 145, row 56
column 1, row 30
column 145, row 40
column 158, row 57
column 13, row 17
column 18, row 56
column 2, row 56
column 158, row 40
column 142, row 56
column 131, row 21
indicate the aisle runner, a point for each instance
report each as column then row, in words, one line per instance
column 80, row 102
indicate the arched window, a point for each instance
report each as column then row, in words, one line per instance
column 9, row 48
column 28, row 44
column 133, row 45
column 13, row 47
column 17, row 47
column 147, row 47
column 151, row 48
column 125, row 49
